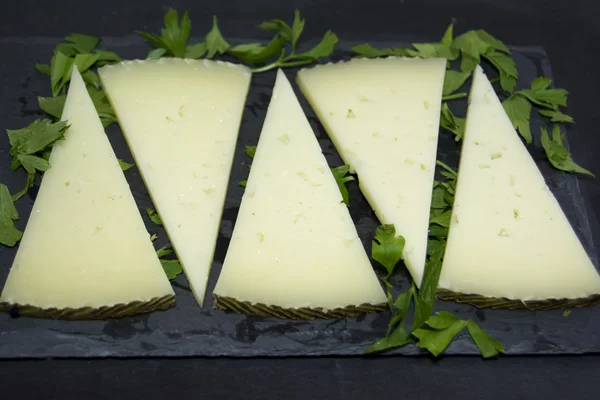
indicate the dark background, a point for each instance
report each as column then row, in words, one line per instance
column 570, row 33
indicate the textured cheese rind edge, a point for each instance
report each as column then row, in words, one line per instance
column 90, row 313
column 504, row 303
column 165, row 60
column 302, row 313
column 206, row 63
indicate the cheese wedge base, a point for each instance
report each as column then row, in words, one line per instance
column 510, row 245
column 383, row 115
column 295, row 251
column 181, row 119
column 263, row 310
column 85, row 252
column 90, row 313
column 504, row 303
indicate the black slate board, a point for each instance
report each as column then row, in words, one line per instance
column 187, row 330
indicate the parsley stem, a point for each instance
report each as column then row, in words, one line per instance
column 446, row 167
column 280, row 64
column 454, row 96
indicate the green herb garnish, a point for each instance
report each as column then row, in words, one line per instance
column 341, row 177
column 387, row 250
column 557, row 153
column 9, row 235
column 277, row 47
column 153, row 215
column 173, row 42
column 518, row 105
column 30, row 148
column 452, row 123
column 125, row 165
column 433, row 332
column 172, row 268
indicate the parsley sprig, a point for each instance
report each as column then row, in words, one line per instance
column 280, row 52
column 431, row 332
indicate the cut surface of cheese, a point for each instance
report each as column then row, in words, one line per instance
column 383, row 117
column 181, row 120
column 85, row 251
column 294, row 245
column 508, row 236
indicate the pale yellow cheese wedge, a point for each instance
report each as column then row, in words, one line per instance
column 383, row 117
column 181, row 120
column 294, row 245
column 85, row 252
column 508, row 236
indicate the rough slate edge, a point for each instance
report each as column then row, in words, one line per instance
column 180, row 333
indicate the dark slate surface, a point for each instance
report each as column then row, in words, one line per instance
column 187, row 330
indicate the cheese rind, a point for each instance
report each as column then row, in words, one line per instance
column 383, row 117
column 508, row 236
column 294, row 245
column 85, row 246
column 181, row 120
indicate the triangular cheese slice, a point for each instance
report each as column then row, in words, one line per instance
column 181, row 120
column 383, row 117
column 85, row 251
column 294, row 251
column 508, row 237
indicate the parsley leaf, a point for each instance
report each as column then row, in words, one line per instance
column 125, row 165
column 478, row 43
column 9, row 235
column 157, row 53
column 153, row 215
column 387, row 250
column 53, row 105
column 82, row 43
column 255, row 53
column 557, row 153
column 250, row 151
column 284, row 34
column 452, row 123
column 103, row 107
column 277, row 25
column 387, row 247
column 341, row 177
column 215, row 42
column 445, row 328
column 454, row 81
column 488, row 346
column 297, row 28
column 43, row 68
column 556, row 116
column 368, row 51
column 429, row 284
column 506, row 68
column 397, row 335
column 77, row 50
column 164, row 251
column 172, row 268
column 443, row 49
column 543, row 96
column 518, row 110
column 29, row 145
column 518, row 105
column 174, row 35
